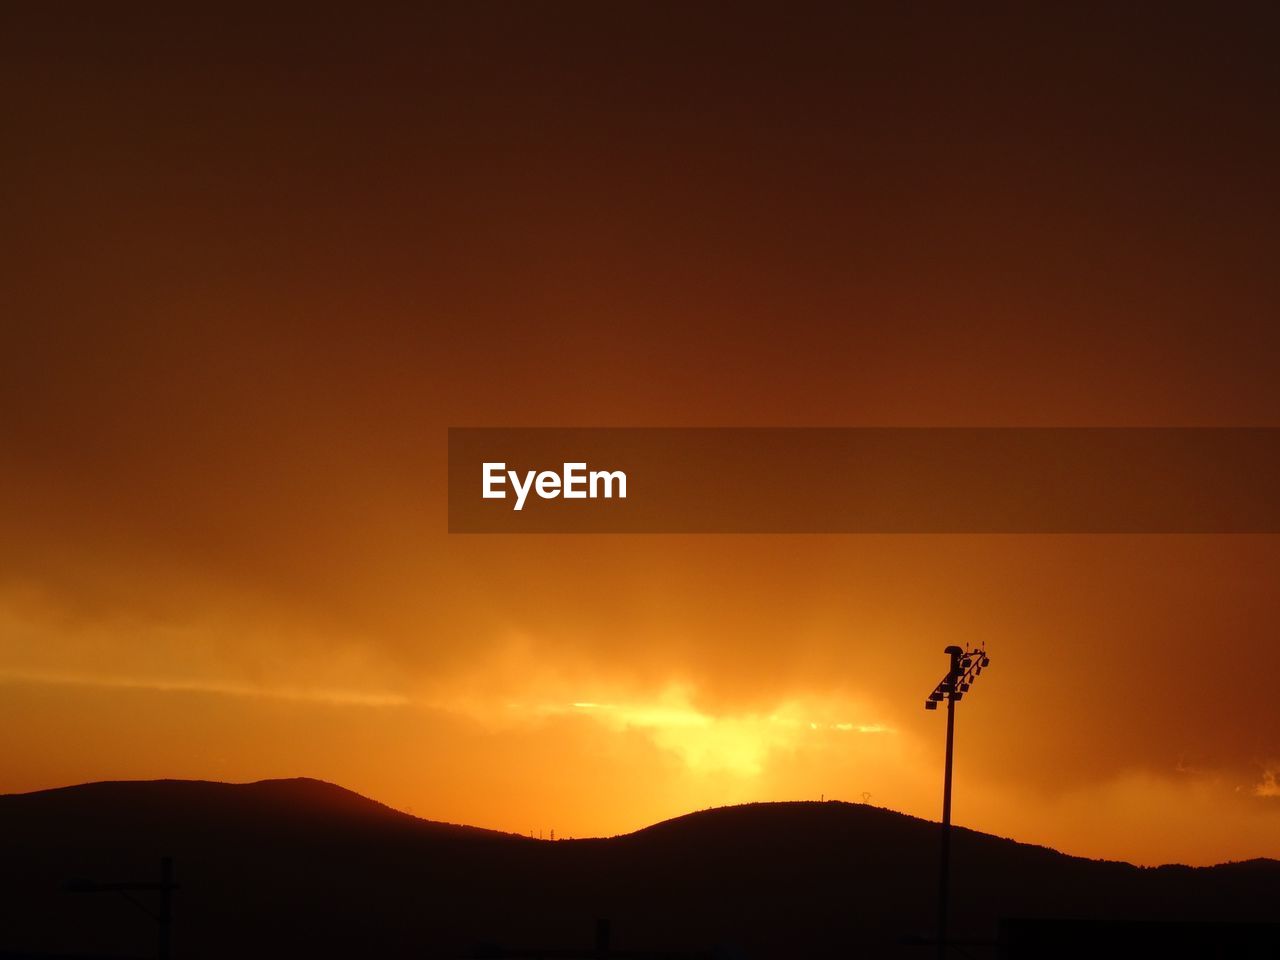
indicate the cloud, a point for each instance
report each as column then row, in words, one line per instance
column 1269, row 786
column 324, row 695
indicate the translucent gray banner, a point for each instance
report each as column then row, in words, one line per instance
column 864, row 480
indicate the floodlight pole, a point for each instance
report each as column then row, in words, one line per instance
column 165, row 919
column 964, row 669
column 944, row 861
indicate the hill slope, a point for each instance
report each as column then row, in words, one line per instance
column 304, row 868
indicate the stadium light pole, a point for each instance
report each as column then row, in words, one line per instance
column 964, row 669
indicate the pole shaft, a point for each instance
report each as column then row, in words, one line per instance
column 165, row 946
column 944, row 861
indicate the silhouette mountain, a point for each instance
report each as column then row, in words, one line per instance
column 302, row 868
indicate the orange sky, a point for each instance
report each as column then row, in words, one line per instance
column 257, row 266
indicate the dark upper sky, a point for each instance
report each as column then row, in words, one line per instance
column 257, row 262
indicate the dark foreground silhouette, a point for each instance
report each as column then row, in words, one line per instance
column 301, row 868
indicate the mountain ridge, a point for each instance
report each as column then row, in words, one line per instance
column 302, row 867
column 338, row 798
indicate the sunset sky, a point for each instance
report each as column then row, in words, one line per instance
column 255, row 265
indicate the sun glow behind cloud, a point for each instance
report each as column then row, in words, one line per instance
column 516, row 689
column 738, row 743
